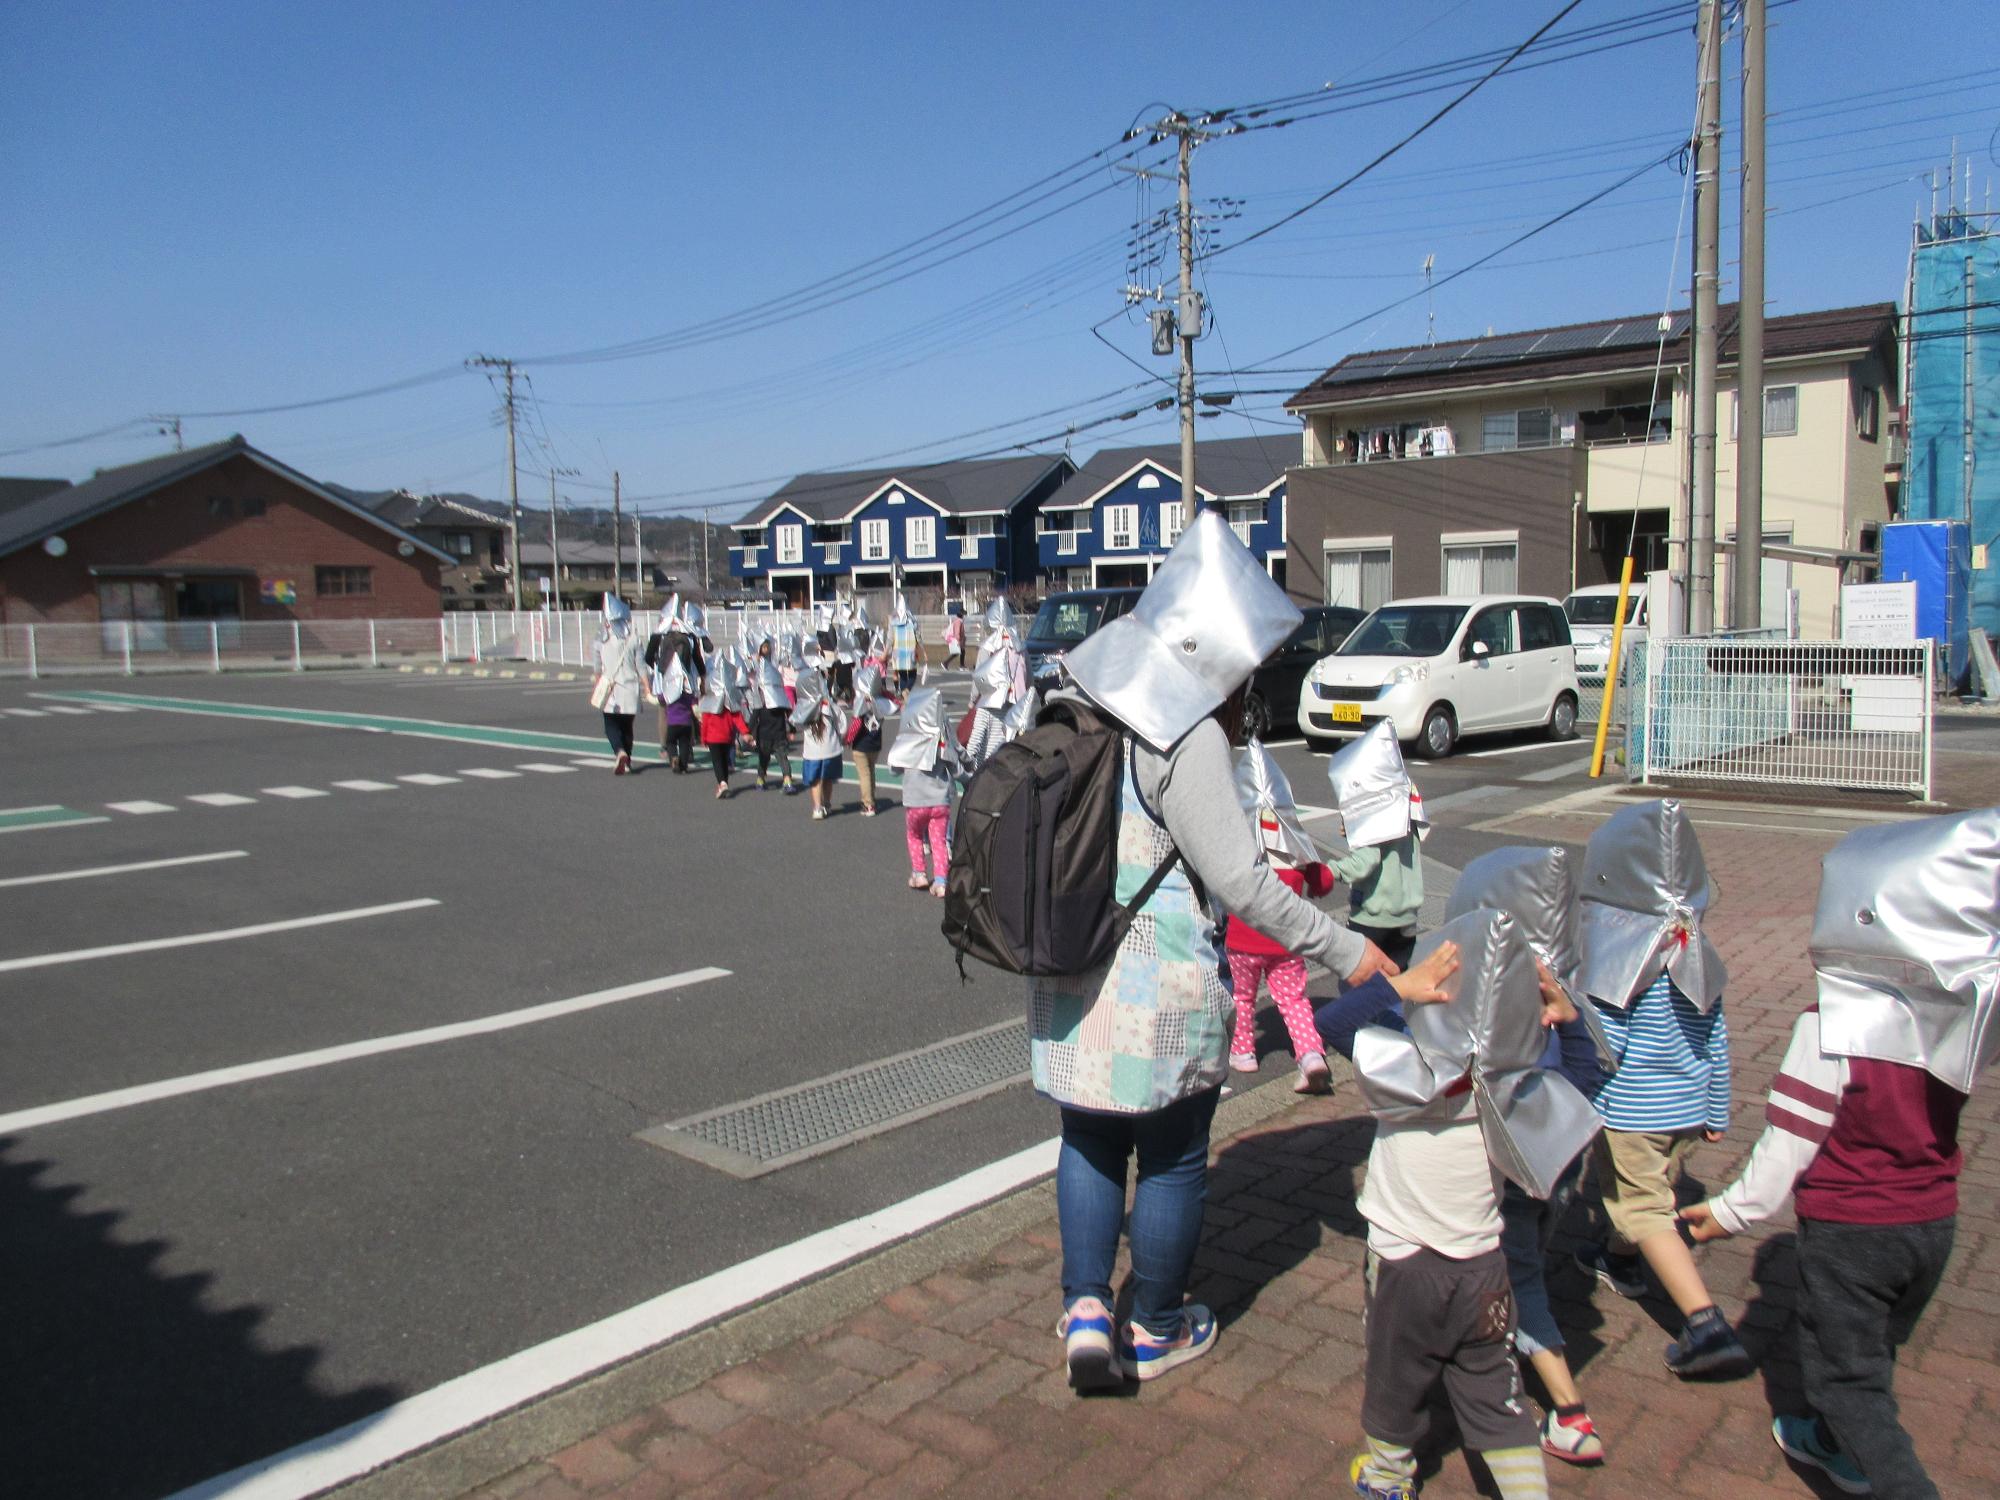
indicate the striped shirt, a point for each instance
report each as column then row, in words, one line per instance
column 1673, row 1067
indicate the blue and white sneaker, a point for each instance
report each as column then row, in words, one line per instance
column 1086, row 1331
column 1147, row 1356
column 1801, row 1440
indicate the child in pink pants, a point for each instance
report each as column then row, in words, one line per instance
column 1255, row 960
column 921, row 826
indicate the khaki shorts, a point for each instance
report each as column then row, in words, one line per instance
column 1636, row 1172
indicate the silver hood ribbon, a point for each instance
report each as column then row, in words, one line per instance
column 993, row 682
column 1536, row 885
column 1208, row 620
column 1906, row 945
column 1372, row 787
column 1644, row 896
column 1266, row 796
column 1486, row 1041
column 925, row 737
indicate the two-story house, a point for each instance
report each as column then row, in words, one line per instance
column 1114, row 521
column 1532, row 460
column 475, row 540
column 965, row 530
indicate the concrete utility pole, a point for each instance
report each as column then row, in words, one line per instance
column 617, row 540
column 1190, row 320
column 555, row 551
column 1707, row 259
column 1746, row 566
column 489, row 362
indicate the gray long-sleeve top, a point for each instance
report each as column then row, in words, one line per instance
column 1193, row 789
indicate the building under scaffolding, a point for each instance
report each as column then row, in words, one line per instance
column 1952, row 383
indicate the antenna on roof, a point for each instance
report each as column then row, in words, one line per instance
column 1430, row 307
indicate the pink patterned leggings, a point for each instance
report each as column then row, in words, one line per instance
column 919, row 824
column 1287, row 978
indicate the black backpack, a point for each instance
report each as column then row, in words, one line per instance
column 1033, row 883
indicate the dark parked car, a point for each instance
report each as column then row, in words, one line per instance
column 1273, row 700
column 1063, row 621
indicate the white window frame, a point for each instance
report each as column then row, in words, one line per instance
column 791, row 544
column 920, row 537
column 875, row 539
column 1736, row 412
column 1121, row 528
column 1513, row 418
column 1171, row 523
column 1482, row 541
column 1336, row 545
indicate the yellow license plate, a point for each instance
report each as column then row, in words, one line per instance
column 1346, row 713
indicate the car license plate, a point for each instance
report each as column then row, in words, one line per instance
column 1346, row 713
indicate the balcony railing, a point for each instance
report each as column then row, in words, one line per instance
column 968, row 547
column 1242, row 530
column 753, row 557
column 1066, row 543
column 829, row 552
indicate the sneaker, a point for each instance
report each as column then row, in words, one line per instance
column 1147, row 1356
column 1708, row 1349
column 937, row 889
column 1314, row 1077
column 622, row 765
column 1368, row 1489
column 1624, row 1274
column 919, row 880
column 1574, row 1440
column 763, row 785
column 791, row 787
column 867, row 809
column 1086, row 1331
column 1243, row 1062
column 1800, row 1438
column 818, row 814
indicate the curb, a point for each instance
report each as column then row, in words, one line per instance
column 530, row 1433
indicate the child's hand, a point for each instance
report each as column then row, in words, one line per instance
column 1422, row 984
column 1557, row 1007
column 1701, row 1222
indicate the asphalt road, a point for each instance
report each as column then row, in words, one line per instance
column 193, row 1282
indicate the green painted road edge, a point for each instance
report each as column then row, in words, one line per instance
column 326, row 718
column 43, row 817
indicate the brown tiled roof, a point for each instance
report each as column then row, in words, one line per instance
column 1573, row 349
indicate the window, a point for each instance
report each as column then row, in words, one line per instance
column 1360, row 577
column 253, row 505
column 1148, row 482
column 974, row 527
column 753, row 538
column 1531, row 428
column 343, row 582
column 1121, row 527
column 1495, row 628
column 1485, row 565
column 221, row 506
column 791, row 543
column 920, row 536
column 458, row 543
column 1170, row 523
column 1543, row 627
column 211, row 598
column 1867, row 413
column 874, row 540
column 1781, row 412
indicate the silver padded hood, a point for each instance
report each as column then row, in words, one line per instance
column 1266, row 797
column 1371, row 785
column 926, row 735
column 1644, row 898
column 1906, row 945
column 993, row 680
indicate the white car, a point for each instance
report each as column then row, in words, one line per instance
column 1592, row 612
column 1441, row 667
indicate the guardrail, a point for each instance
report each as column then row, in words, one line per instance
column 1824, row 714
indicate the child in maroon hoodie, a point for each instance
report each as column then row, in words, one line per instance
column 1255, row 960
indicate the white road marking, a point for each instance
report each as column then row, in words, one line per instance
column 600, row 762
column 1283, row 744
column 221, row 799
column 56, row 708
column 115, row 708
column 1435, row 805
column 139, row 809
column 299, row 1062
column 29, row 713
column 545, row 768
column 144, row 864
column 426, row 778
column 1509, row 750
column 295, row 793
column 1557, row 773
column 56, row 823
column 366, row 786
column 488, row 773
column 221, row 935
column 431, row 1416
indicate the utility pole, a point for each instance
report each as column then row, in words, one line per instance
column 618, row 540
column 702, row 522
column 1707, row 258
column 489, row 362
column 555, row 551
column 170, row 425
column 638, row 555
column 1190, row 320
column 1746, row 567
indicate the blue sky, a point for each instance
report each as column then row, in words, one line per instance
column 214, row 207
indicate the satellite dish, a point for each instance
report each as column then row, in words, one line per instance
column 406, row 549
column 55, row 546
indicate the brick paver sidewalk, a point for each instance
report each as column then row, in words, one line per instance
column 952, row 1385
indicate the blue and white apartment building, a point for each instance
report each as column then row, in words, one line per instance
column 1114, row 520
column 966, row 530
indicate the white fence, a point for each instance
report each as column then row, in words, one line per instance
column 128, row 648
column 1809, row 714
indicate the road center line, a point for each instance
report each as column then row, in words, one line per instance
column 144, row 864
column 299, row 1062
column 431, row 1416
column 221, row 935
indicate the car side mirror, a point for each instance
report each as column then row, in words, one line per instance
column 1475, row 649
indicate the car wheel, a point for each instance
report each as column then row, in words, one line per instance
column 1562, row 718
column 1439, row 734
column 1256, row 716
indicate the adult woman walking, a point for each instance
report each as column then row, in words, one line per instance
column 616, row 691
column 1135, row 1050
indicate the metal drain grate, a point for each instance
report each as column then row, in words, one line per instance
column 763, row 1134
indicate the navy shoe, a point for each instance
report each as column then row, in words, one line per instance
column 1147, row 1356
column 1086, row 1332
column 1624, row 1274
column 1708, row 1349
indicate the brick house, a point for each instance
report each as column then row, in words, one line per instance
column 475, row 540
column 222, row 532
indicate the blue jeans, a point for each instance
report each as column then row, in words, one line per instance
column 1527, row 1225
column 1172, row 1147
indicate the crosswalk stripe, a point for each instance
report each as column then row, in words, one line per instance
column 139, row 809
column 29, row 713
column 221, row 799
column 295, row 793
column 488, row 773
column 56, row 708
column 545, row 768
column 426, row 778
column 366, row 786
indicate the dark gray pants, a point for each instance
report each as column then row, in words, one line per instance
column 1865, row 1286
